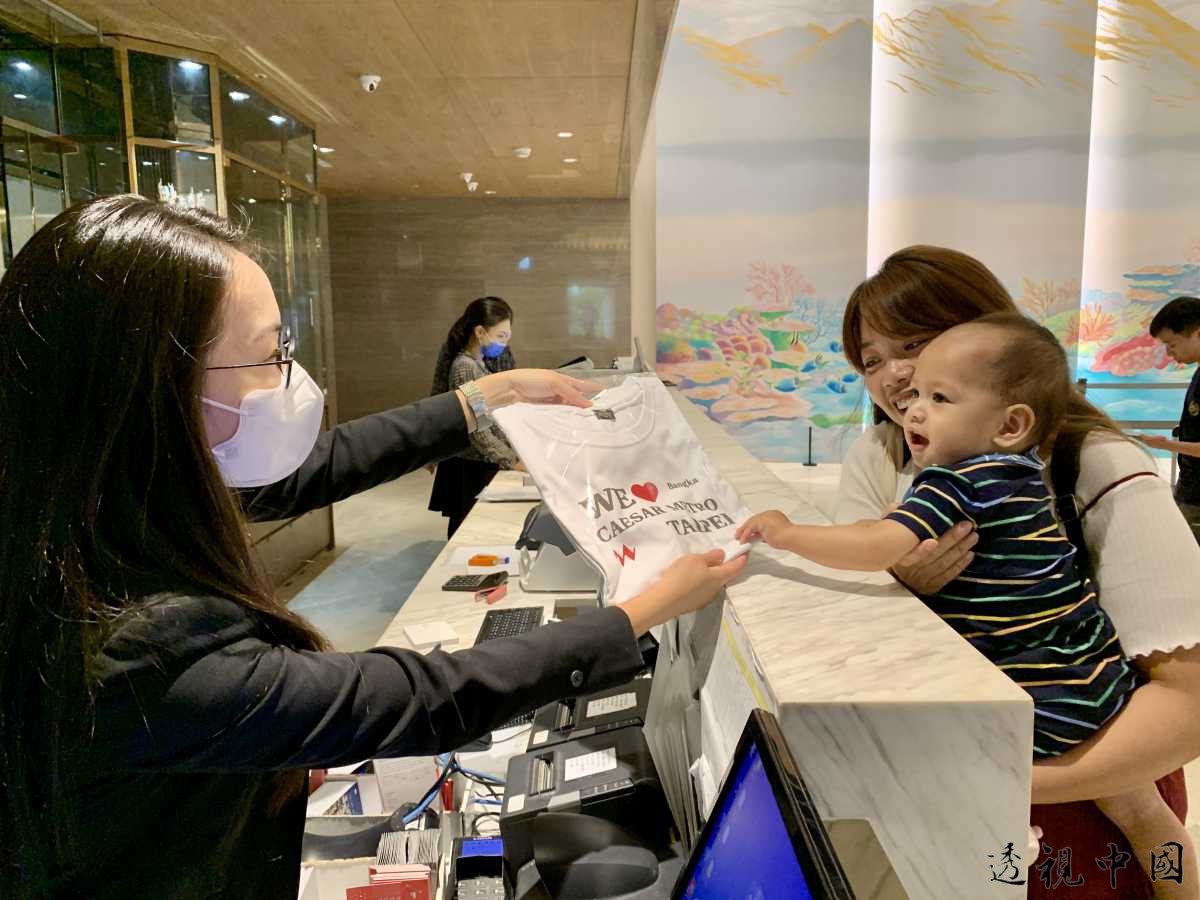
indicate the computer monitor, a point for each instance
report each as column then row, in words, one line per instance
column 763, row 840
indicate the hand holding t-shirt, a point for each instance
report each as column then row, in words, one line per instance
column 628, row 480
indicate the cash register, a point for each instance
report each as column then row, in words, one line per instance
column 763, row 839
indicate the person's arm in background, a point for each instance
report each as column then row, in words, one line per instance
column 1147, row 566
column 488, row 442
column 861, row 495
column 1158, row 442
column 360, row 454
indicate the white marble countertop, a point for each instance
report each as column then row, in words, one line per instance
column 892, row 716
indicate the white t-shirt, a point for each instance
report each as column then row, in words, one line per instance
column 1147, row 564
column 628, row 481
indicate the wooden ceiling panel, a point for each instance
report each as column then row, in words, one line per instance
column 464, row 82
column 515, row 38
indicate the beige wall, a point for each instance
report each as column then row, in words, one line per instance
column 642, row 225
column 403, row 270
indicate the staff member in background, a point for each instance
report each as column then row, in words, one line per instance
column 1177, row 325
column 480, row 335
column 158, row 705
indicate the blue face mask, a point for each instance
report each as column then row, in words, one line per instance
column 492, row 349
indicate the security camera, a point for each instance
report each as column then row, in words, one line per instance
column 473, row 186
column 370, row 83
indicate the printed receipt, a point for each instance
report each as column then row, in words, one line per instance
column 590, row 764
column 606, row 705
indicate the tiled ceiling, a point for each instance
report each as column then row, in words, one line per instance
column 465, row 82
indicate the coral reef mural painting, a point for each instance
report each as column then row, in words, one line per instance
column 799, row 142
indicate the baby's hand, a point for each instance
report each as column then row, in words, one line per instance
column 769, row 527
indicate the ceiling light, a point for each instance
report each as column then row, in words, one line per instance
column 22, row 66
column 146, row 162
column 190, row 67
column 522, row 152
column 20, row 97
column 262, row 76
column 238, row 96
column 570, row 159
column 489, row 193
column 277, row 119
column 566, row 134
column 324, row 149
column 251, row 200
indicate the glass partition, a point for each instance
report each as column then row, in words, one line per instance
column 263, row 132
column 33, row 183
column 91, row 115
column 185, row 178
column 255, row 200
column 171, row 98
column 303, row 312
column 26, row 83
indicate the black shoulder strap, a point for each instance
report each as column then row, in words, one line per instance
column 1064, row 473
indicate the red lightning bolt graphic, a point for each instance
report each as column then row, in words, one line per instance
column 625, row 552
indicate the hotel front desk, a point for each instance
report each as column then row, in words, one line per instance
column 915, row 748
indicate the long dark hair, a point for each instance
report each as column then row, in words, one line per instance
column 927, row 290
column 487, row 312
column 109, row 496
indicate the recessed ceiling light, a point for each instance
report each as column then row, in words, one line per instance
column 22, row 66
column 20, row 97
column 566, row 134
column 190, row 67
column 489, row 192
column 146, row 162
column 251, row 200
column 238, row 96
column 277, row 119
column 324, row 149
column 522, row 152
column 262, row 76
column 570, row 159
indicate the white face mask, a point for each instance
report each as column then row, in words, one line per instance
column 277, row 431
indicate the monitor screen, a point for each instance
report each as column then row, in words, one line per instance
column 747, row 851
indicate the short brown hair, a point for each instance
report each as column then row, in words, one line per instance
column 1030, row 366
column 921, row 290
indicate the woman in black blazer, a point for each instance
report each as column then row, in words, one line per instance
column 158, row 705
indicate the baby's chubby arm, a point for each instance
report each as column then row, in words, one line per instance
column 868, row 546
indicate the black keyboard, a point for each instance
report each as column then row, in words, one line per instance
column 501, row 623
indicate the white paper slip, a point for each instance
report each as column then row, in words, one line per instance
column 590, row 764
column 540, row 736
column 423, row 636
column 516, row 803
column 614, row 704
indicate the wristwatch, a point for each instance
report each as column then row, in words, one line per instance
column 475, row 400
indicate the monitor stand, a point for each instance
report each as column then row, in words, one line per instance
column 864, row 860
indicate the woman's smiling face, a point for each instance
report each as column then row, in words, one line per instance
column 888, row 368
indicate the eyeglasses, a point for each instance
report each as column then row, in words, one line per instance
column 283, row 358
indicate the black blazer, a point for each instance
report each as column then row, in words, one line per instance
column 199, row 709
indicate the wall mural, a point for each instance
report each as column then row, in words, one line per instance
column 799, row 143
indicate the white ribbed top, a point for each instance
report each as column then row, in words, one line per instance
column 1147, row 564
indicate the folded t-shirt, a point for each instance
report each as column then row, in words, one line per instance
column 628, row 480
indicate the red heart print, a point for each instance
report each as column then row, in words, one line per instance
column 647, row 491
